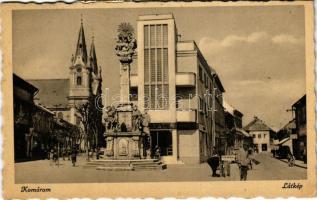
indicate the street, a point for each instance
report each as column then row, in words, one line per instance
column 42, row 172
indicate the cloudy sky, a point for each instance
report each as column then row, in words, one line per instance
column 258, row 52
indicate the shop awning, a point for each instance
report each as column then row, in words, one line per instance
column 283, row 141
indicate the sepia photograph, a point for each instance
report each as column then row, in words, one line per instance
column 161, row 94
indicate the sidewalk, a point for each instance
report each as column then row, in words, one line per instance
column 298, row 163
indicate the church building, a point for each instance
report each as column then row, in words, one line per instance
column 84, row 83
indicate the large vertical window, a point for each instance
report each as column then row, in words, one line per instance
column 156, row 66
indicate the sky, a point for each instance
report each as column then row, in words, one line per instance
column 258, row 52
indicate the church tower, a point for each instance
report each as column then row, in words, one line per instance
column 80, row 76
column 96, row 70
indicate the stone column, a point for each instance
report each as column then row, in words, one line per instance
column 125, row 82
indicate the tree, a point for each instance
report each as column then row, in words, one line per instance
column 90, row 118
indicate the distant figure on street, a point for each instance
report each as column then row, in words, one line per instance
column 213, row 162
column 290, row 159
column 69, row 152
column 250, row 153
column 73, row 156
column 157, row 152
column 50, row 156
column 243, row 162
column 97, row 153
column 64, row 153
column 55, row 156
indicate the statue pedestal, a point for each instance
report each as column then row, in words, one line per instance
column 125, row 145
column 126, row 142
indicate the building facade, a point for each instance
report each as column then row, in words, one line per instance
column 299, row 108
column 37, row 129
column 23, row 94
column 236, row 136
column 180, row 91
column 287, row 136
column 262, row 135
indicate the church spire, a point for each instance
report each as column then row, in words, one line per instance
column 93, row 58
column 81, row 49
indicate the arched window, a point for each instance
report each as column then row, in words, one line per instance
column 79, row 80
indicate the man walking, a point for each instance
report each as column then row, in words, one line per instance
column 243, row 162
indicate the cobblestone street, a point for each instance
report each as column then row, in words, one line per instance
column 42, row 172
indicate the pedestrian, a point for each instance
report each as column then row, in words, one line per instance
column 290, row 158
column 157, row 152
column 73, row 156
column 55, row 156
column 69, row 152
column 50, row 156
column 250, row 156
column 97, row 153
column 63, row 153
column 213, row 162
column 243, row 160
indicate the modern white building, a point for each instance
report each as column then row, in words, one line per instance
column 171, row 78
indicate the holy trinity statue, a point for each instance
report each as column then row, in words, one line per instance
column 126, row 43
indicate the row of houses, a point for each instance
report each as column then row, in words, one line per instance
column 37, row 129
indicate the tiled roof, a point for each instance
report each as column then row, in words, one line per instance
column 257, row 125
column 52, row 92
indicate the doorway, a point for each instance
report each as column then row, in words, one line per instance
column 162, row 139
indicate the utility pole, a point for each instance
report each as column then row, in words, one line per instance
column 213, row 128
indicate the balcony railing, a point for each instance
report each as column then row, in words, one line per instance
column 186, row 116
column 185, row 79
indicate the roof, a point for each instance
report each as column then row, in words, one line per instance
column 302, row 100
column 44, row 109
column 52, row 93
column 257, row 125
column 19, row 82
